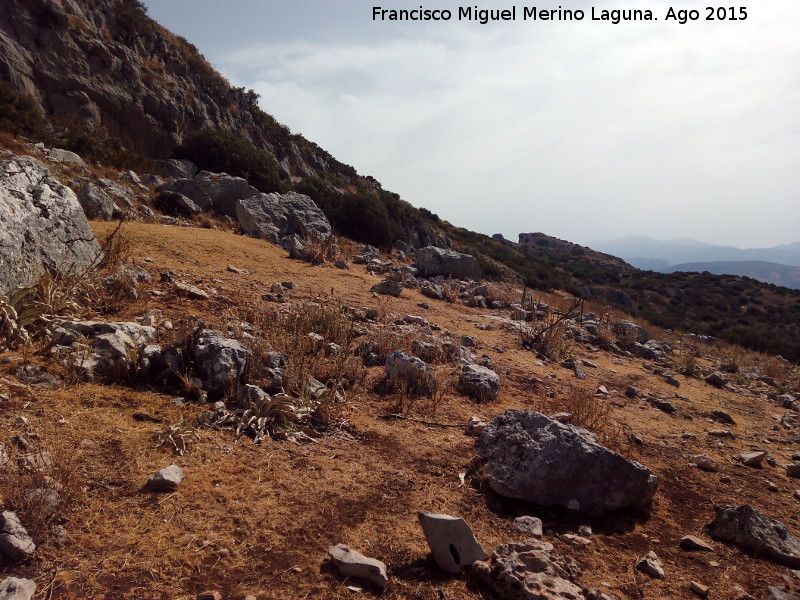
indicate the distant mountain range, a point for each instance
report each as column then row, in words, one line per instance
column 779, row 265
column 640, row 251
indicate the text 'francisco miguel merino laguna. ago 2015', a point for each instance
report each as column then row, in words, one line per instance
column 533, row 13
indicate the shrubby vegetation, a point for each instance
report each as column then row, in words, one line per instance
column 19, row 113
column 227, row 152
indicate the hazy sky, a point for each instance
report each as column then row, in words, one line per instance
column 583, row 130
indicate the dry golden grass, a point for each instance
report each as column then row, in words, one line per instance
column 258, row 518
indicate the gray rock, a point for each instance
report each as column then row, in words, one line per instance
column 529, row 571
column 221, row 362
column 634, row 392
column 43, row 225
column 354, row 564
column 190, row 291
column 15, row 588
column 752, row 459
column 15, row 542
column 388, row 287
column 276, row 217
column 717, row 379
column 705, row 463
column 96, row 203
column 756, row 532
column 529, row 526
column 475, row 427
column 650, row 565
column 59, row 155
column 776, row 593
column 175, row 168
column 793, row 470
column 663, row 405
column 176, row 204
column 538, row 459
column 451, row 541
column 695, row 544
column 625, row 330
column 409, row 371
column 433, row 261
column 166, row 480
column 480, row 383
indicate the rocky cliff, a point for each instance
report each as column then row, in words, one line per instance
column 108, row 65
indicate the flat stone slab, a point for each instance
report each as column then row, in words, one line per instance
column 451, row 541
column 15, row 588
column 354, row 564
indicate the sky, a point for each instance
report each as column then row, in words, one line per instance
column 584, row 130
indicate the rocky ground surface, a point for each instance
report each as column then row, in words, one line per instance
column 227, row 421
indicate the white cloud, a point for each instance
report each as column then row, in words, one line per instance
column 580, row 130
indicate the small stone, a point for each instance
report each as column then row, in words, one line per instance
column 793, row 470
column 585, row 530
column 797, row 494
column 725, row 479
column 771, row 486
column 451, row 541
column 166, row 480
column 15, row 588
column 15, row 542
column 575, row 540
column 705, row 463
column 753, row 458
column 699, row 589
column 354, row 564
column 650, row 565
column 692, row 543
column 190, row 291
column 529, row 526
column 209, row 596
column 475, row 426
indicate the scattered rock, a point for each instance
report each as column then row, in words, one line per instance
column 529, row 526
column 699, row 589
column 752, row 458
column 388, row 287
column 354, row 564
column 720, row 416
column 663, row 405
column 480, row 383
column 190, row 291
column 717, row 379
column 705, row 463
column 15, row 542
column 166, row 480
column 433, row 261
column 695, row 544
column 756, row 532
column 15, row 588
column 575, row 540
column 221, row 362
column 451, row 541
column 410, row 371
column 475, row 426
column 529, row 570
column 209, row 596
column 651, row 565
column 793, row 470
column 279, row 217
column 634, row 392
column 44, row 227
column 538, row 459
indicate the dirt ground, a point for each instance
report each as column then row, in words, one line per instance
column 258, row 518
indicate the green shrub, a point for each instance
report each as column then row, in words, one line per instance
column 19, row 113
column 222, row 151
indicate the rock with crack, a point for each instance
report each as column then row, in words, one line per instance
column 354, row 564
column 15, row 543
column 221, row 361
column 277, row 218
column 451, row 541
column 529, row 526
column 649, row 564
column 16, row 588
column 756, row 532
column 166, row 480
column 480, row 383
column 529, row 571
column 43, row 226
column 433, row 261
column 535, row 458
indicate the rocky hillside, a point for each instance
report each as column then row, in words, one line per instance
column 107, row 76
column 202, row 417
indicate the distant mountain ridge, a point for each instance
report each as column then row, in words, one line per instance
column 641, row 251
column 768, row 272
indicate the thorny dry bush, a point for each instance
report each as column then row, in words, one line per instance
column 549, row 337
column 40, row 483
column 304, row 333
column 26, row 313
column 593, row 413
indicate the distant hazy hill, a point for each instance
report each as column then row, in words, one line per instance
column 768, row 272
column 641, row 251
